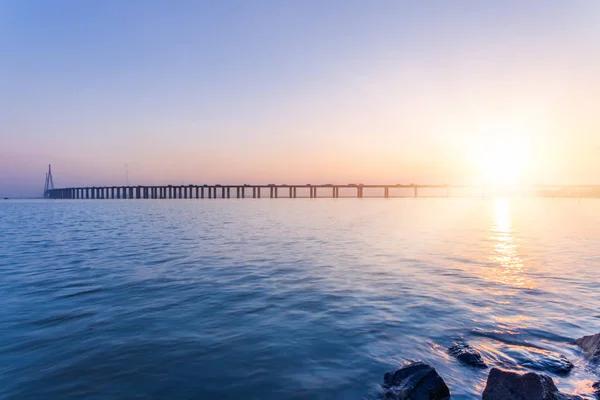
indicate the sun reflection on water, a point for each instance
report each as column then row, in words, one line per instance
column 505, row 252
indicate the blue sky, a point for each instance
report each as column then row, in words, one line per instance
column 294, row 91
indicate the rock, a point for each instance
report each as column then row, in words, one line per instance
column 536, row 359
column 416, row 381
column 467, row 355
column 596, row 387
column 555, row 363
column 505, row 385
column 590, row 346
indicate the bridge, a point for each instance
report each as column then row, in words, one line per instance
column 274, row 191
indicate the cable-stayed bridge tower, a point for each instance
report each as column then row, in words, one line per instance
column 49, row 185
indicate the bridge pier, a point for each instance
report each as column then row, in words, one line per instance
column 416, row 193
column 386, row 192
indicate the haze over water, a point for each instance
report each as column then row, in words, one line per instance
column 287, row 299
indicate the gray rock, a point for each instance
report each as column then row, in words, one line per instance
column 467, row 355
column 590, row 346
column 596, row 387
column 416, row 381
column 505, row 385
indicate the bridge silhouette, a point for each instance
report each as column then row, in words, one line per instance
column 275, row 191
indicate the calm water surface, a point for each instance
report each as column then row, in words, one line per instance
column 288, row 299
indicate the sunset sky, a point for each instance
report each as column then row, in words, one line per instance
column 298, row 91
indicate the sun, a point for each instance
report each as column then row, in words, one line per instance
column 502, row 159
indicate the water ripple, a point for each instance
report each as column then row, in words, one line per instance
column 288, row 300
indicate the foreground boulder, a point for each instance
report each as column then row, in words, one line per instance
column 467, row 355
column 505, row 385
column 416, row 381
column 590, row 346
column 596, row 387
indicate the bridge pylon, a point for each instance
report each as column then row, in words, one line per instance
column 49, row 184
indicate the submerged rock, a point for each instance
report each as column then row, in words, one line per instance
column 416, row 381
column 555, row 363
column 537, row 359
column 590, row 346
column 467, row 355
column 505, row 385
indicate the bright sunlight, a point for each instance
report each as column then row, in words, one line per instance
column 502, row 159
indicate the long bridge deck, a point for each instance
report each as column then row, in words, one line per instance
column 290, row 191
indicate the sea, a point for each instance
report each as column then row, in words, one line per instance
column 290, row 298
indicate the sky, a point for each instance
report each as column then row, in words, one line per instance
column 328, row 91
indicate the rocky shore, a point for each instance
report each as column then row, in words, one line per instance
column 420, row 381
